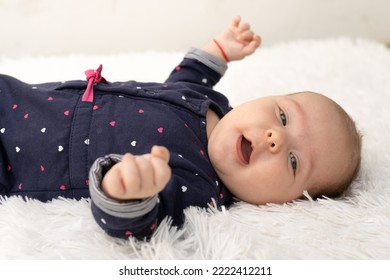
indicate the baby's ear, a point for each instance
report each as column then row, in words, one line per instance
column 160, row 152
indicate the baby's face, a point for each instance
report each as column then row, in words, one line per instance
column 271, row 149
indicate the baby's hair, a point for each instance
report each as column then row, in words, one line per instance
column 339, row 187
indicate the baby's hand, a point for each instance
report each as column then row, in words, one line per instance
column 137, row 177
column 237, row 41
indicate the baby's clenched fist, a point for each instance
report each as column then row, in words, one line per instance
column 138, row 177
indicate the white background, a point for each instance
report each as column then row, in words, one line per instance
column 41, row 27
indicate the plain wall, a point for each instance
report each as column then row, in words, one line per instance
column 42, row 27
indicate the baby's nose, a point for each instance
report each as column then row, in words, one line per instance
column 274, row 140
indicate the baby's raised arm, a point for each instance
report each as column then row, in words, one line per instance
column 234, row 43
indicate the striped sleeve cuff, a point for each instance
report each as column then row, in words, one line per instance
column 207, row 59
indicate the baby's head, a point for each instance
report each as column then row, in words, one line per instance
column 272, row 149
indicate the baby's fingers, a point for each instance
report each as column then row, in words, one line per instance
column 130, row 174
column 246, row 36
column 162, row 173
column 117, row 181
column 154, row 172
column 146, row 187
column 236, row 21
column 244, row 27
column 160, row 152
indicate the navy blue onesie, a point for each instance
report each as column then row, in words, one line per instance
column 54, row 142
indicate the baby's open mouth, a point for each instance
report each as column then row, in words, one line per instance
column 245, row 150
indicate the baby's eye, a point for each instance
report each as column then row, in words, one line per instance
column 283, row 117
column 294, row 162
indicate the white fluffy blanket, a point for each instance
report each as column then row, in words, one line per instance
column 355, row 72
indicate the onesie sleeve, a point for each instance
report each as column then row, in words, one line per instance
column 136, row 218
column 199, row 67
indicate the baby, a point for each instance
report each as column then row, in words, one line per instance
column 151, row 150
